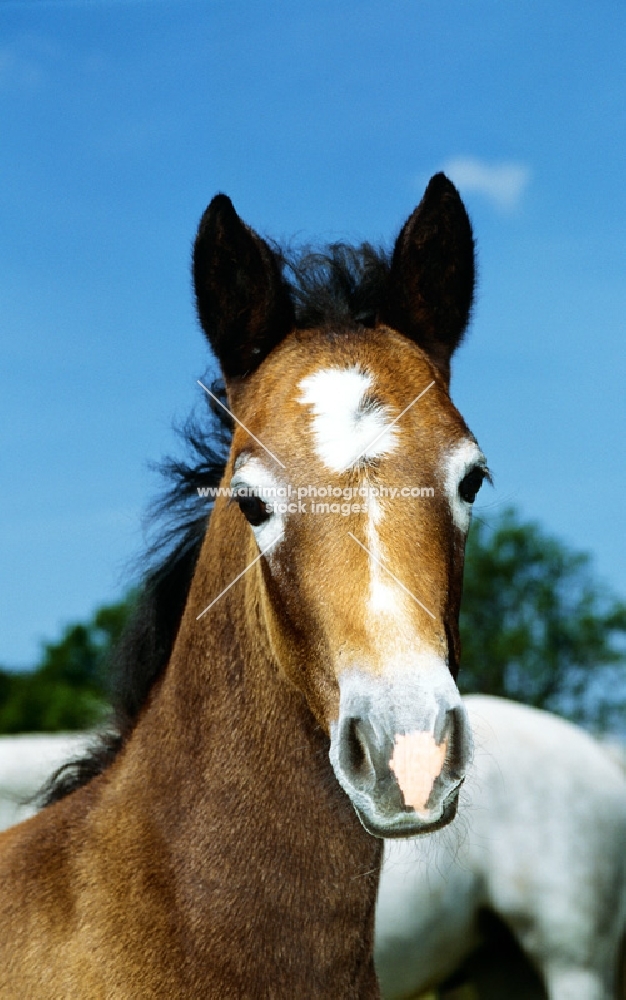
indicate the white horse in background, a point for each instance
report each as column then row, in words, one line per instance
column 26, row 762
column 540, row 840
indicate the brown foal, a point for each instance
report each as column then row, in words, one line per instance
column 309, row 708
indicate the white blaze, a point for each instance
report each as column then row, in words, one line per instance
column 344, row 428
column 383, row 595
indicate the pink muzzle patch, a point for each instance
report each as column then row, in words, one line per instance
column 416, row 762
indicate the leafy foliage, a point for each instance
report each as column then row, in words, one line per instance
column 69, row 688
column 536, row 628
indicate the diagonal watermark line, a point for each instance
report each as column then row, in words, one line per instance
column 236, row 419
column 388, row 427
column 393, row 577
column 233, row 582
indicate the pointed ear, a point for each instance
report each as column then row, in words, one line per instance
column 243, row 303
column 431, row 281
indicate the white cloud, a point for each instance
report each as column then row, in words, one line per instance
column 503, row 184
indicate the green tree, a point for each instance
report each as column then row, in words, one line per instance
column 535, row 627
column 68, row 690
column 79, row 658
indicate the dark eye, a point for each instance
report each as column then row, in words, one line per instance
column 471, row 483
column 254, row 510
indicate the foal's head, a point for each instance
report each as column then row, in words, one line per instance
column 356, row 476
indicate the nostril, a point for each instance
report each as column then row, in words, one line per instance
column 456, row 756
column 354, row 754
column 357, row 753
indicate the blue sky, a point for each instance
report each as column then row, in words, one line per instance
column 120, row 120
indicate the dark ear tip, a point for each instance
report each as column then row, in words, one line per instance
column 439, row 179
column 221, row 203
column 440, row 185
column 220, row 211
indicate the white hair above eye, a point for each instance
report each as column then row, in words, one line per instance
column 253, row 476
column 460, row 460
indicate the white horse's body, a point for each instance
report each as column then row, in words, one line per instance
column 540, row 839
column 25, row 763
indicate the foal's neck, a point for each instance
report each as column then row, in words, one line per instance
column 277, row 876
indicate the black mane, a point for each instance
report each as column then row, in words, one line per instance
column 339, row 287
